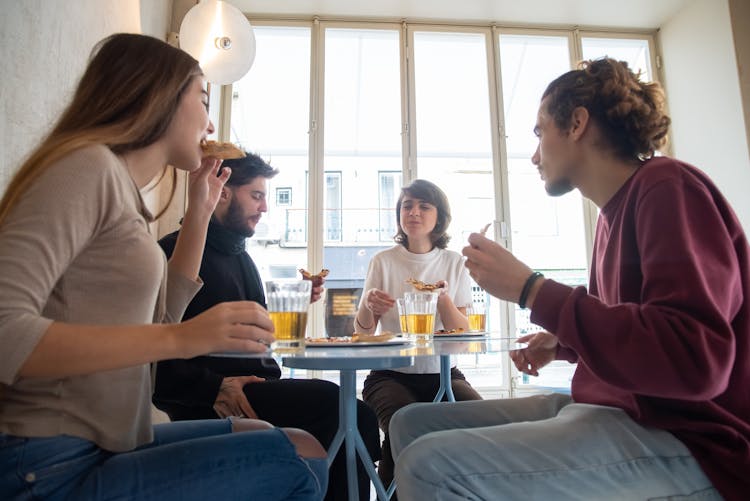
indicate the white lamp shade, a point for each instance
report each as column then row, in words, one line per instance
column 220, row 37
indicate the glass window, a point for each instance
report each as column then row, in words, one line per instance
column 538, row 221
column 362, row 139
column 454, row 151
column 450, row 93
column 283, row 196
column 270, row 113
column 633, row 50
column 333, row 207
column 389, row 190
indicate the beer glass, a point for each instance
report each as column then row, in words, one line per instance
column 477, row 314
column 288, row 301
column 421, row 308
column 402, row 315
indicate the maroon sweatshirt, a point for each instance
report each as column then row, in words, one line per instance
column 664, row 330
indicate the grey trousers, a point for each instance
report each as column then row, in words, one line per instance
column 541, row 447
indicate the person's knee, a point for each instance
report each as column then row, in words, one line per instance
column 399, row 424
column 326, row 392
column 244, row 424
column 414, row 458
column 306, row 445
column 367, row 424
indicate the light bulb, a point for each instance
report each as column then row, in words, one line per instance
column 221, row 38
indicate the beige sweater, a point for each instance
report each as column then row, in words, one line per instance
column 77, row 249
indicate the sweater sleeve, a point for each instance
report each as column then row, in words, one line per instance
column 673, row 338
column 52, row 222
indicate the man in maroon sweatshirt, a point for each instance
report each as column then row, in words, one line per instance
column 660, row 404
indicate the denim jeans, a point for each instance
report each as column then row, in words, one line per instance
column 542, row 447
column 187, row 460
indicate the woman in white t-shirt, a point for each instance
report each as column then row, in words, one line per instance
column 423, row 215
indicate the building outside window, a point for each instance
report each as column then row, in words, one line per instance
column 283, row 196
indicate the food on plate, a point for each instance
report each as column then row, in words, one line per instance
column 326, row 340
column 421, row 286
column 444, row 332
column 220, row 150
column 358, row 337
column 317, row 278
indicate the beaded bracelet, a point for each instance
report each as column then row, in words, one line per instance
column 527, row 288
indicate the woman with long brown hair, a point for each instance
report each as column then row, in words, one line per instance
column 89, row 301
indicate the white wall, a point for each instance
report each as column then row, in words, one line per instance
column 703, row 90
column 44, row 47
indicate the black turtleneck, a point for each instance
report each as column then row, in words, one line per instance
column 227, row 271
column 229, row 274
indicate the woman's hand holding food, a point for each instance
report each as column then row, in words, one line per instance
column 205, row 184
column 378, row 302
column 442, row 288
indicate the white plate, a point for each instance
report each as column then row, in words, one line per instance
column 461, row 335
column 360, row 344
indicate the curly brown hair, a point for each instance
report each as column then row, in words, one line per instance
column 629, row 112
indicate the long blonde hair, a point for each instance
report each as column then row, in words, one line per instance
column 126, row 99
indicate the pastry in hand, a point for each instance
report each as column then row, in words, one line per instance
column 422, row 286
column 317, row 278
column 222, row 151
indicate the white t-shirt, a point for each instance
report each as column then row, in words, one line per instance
column 388, row 272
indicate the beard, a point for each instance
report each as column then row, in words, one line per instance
column 558, row 187
column 236, row 222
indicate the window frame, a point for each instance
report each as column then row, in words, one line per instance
column 410, row 169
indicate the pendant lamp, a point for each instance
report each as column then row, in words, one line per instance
column 221, row 38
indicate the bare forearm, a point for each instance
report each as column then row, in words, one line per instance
column 72, row 350
column 365, row 321
column 452, row 317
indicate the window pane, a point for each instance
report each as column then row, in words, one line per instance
column 539, row 222
column 390, row 188
column 634, row 51
column 270, row 110
column 454, row 147
column 454, row 151
column 333, row 207
column 362, row 142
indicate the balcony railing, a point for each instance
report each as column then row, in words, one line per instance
column 367, row 225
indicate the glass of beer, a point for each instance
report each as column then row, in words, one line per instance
column 288, row 301
column 420, row 314
column 402, row 315
column 477, row 314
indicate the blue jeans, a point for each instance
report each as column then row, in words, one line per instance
column 542, row 447
column 187, row 460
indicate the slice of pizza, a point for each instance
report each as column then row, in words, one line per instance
column 222, row 151
column 421, row 286
column 448, row 332
column 359, row 337
column 317, row 278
